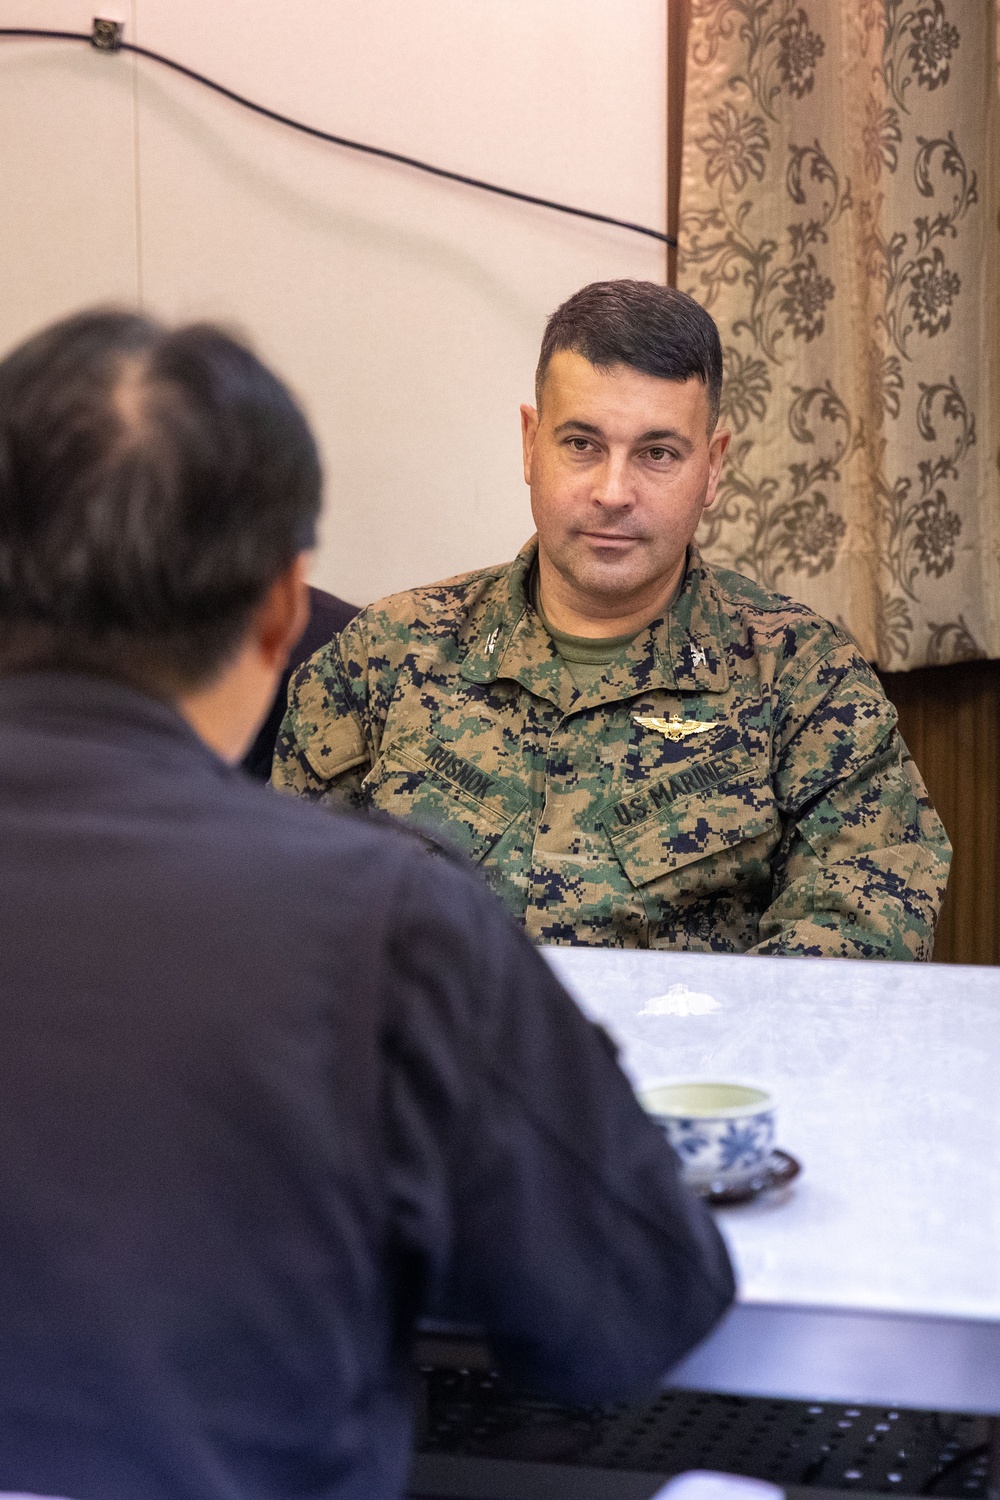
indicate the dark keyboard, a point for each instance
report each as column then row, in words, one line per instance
column 469, row 1414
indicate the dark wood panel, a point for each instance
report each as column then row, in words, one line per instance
column 950, row 718
column 678, row 20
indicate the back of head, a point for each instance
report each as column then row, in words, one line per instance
column 651, row 328
column 154, row 483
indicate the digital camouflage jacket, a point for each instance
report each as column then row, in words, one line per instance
column 733, row 783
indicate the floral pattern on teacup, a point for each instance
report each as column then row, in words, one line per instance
column 723, row 1150
column 745, row 1142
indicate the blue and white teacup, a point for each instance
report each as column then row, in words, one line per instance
column 722, row 1132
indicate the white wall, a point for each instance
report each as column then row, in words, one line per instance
column 406, row 312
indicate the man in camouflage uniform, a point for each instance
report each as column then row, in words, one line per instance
column 638, row 749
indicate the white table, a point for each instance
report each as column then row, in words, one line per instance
column 876, row 1277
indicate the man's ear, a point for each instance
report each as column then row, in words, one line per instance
column 529, row 428
column 283, row 614
column 717, row 445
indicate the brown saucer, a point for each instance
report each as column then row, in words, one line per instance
column 779, row 1170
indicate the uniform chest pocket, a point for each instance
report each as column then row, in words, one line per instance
column 701, row 841
column 447, row 797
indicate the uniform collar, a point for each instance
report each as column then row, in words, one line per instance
column 512, row 642
column 698, row 631
column 685, row 651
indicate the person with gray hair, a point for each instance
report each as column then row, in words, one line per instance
column 271, row 1083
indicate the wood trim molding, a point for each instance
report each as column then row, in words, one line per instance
column 678, row 20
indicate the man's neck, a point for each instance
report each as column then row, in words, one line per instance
column 600, row 617
column 228, row 711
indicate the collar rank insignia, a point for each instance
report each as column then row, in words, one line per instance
column 675, row 728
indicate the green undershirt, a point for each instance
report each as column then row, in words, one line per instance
column 584, row 655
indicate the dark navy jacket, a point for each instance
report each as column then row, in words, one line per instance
column 270, row 1081
column 327, row 617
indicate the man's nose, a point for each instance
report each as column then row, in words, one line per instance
column 611, row 486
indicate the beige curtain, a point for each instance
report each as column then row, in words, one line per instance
column 840, row 217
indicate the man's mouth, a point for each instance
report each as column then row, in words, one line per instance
column 609, row 538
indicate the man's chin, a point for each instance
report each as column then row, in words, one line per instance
column 615, row 572
column 610, row 584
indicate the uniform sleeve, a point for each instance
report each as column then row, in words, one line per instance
column 864, row 860
column 323, row 750
column 541, row 1201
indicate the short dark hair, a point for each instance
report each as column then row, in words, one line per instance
column 655, row 329
column 154, row 483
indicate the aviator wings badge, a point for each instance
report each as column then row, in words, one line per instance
column 675, row 728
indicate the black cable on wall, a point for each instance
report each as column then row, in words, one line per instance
column 107, row 37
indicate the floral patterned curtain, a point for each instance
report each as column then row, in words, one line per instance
column 839, row 218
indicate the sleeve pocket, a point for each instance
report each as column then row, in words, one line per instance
column 331, row 742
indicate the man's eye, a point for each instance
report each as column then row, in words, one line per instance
column 658, row 454
column 579, row 444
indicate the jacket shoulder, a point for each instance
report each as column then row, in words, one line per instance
column 449, row 596
column 433, row 610
column 776, row 617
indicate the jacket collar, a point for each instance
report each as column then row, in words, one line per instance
column 698, row 631
column 70, row 703
column 683, row 652
column 513, row 643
